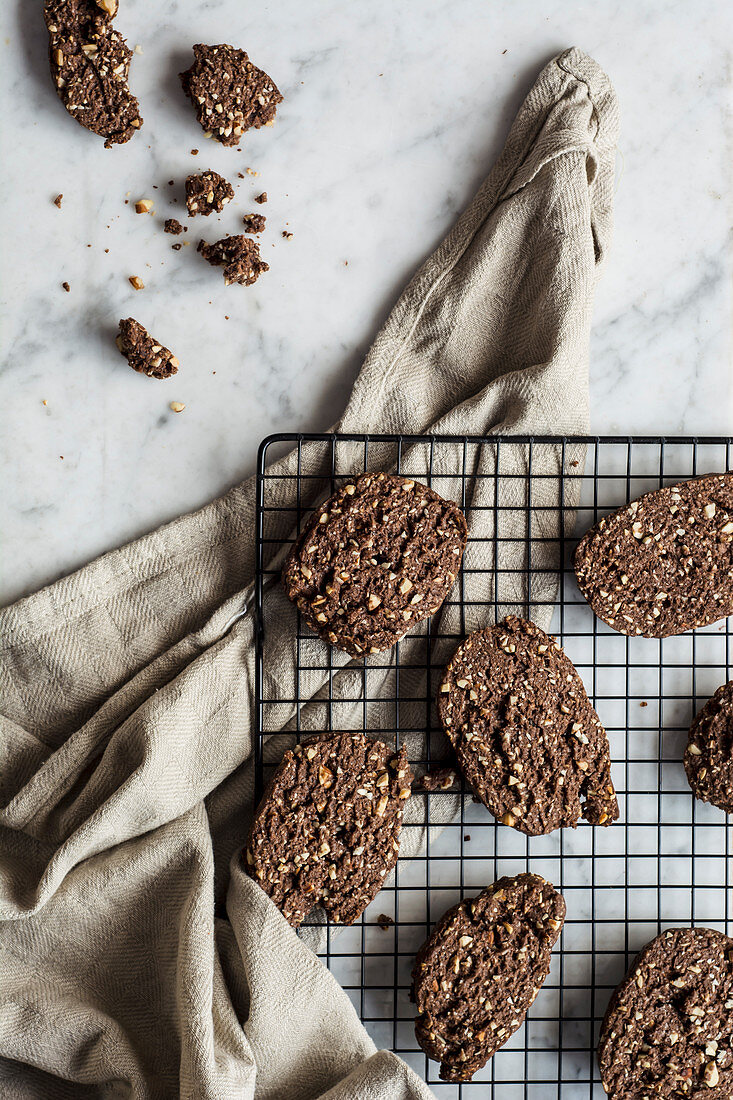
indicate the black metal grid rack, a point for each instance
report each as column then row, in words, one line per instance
column 667, row 861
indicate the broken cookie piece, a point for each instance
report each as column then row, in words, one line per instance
column 238, row 255
column 143, row 353
column 90, row 64
column 207, row 193
column 172, row 225
column 253, row 223
column 230, row 94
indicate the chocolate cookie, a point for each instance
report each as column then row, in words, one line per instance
column 207, row 193
column 374, row 560
column 525, row 733
column 668, row 1030
column 230, row 94
column 90, row 64
column 239, row 256
column 709, row 755
column 664, row 563
column 477, row 975
column 143, row 353
column 327, row 829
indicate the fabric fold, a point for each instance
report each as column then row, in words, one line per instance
column 128, row 724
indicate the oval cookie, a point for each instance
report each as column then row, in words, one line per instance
column 326, row 831
column 664, row 563
column 668, row 1030
column 525, row 733
column 477, row 975
column 375, row 559
column 709, row 755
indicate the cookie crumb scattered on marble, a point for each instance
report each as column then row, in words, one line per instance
column 253, row 223
column 144, row 354
column 239, row 256
column 207, row 193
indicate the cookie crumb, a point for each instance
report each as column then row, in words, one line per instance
column 287, row 236
column 66, row 287
column 194, row 152
column 238, row 255
column 436, row 779
column 253, row 223
column 144, row 354
column 207, row 192
column 251, row 172
column 136, row 282
column 384, row 921
column 643, row 704
column 261, row 198
column 58, row 200
column 177, row 406
column 173, row 226
column 178, row 247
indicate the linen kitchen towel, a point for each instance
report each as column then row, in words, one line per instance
column 127, row 688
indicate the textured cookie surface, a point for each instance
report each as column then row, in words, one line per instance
column 90, row 64
column 254, row 223
column 525, row 733
column 664, row 563
column 327, row 829
column 207, row 193
column 709, row 755
column 668, row 1031
column 478, row 973
column 143, row 353
column 230, row 94
column 375, row 559
column 238, row 255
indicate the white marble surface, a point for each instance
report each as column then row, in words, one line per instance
column 393, row 115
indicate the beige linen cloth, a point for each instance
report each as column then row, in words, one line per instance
column 127, row 688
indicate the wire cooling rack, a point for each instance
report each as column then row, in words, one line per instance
column 666, row 862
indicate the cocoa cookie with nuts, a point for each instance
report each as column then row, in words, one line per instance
column 477, row 975
column 664, row 563
column 238, row 255
column 709, row 755
column 143, row 353
column 90, row 64
column 207, row 193
column 525, row 733
column 376, row 559
column 327, row 829
column 668, row 1030
column 253, row 223
column 229, row 93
